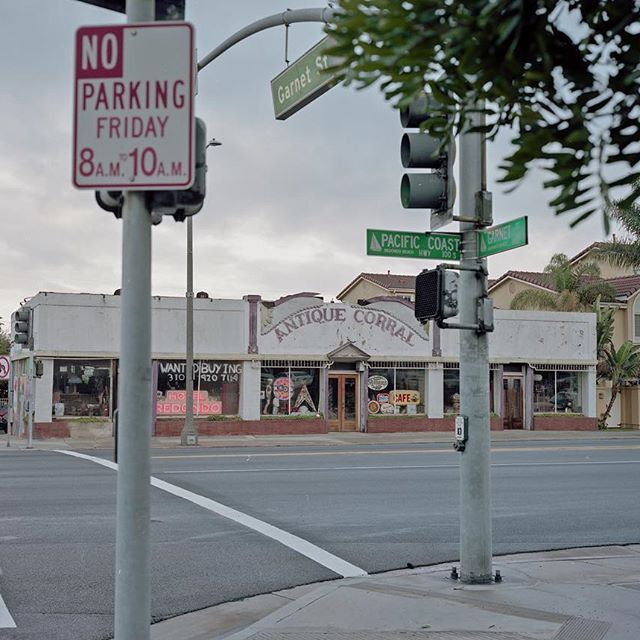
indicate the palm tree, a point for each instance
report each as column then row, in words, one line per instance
column 619, row 366
column 605, row 322
column 577, row 287
column 625, row 252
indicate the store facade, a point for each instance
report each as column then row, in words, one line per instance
column 299, row 365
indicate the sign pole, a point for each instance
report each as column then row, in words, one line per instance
column 132, row 583
column 475, row 490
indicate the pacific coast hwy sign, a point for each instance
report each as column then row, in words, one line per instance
column 133, row 112
column 408, row 244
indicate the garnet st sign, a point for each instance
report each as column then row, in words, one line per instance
column 134, row 120
column 303, row 80
column 502, row 237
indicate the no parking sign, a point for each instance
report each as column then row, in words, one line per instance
column 5, row 367
column 133, row 112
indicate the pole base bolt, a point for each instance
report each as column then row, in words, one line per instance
column 454, row 573
column 498, row 577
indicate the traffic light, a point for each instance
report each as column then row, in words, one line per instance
column 22, row 326
column 179, row 204
column 111, row 201
column 436, row 189
column 436, row 294
column 187, row 202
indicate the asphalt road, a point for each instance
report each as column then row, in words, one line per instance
column 377, row 507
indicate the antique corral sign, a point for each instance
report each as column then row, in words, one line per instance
column 133, row 111
column 356, row 318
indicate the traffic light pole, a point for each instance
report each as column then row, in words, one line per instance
column 475, row 488
column 132, row 584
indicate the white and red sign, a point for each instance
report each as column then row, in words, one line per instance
column 5, row 367
column 133, row 112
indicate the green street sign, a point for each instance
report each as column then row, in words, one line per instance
column 408, row 244
column 502, row 237
column 303, row 80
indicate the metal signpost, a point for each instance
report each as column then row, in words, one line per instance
column 303, row 80
column 134, row 131
column 409, row 244
column 503, row 237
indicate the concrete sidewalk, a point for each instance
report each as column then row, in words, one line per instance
column 91, row 441
column 576, row 594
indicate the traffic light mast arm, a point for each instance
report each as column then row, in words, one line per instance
column 285, row 18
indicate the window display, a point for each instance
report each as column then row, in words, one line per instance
column 216, row 387
column 289, row 391
column 451, row 390
column 557, row 391
column 81, row 388
column 396, row 390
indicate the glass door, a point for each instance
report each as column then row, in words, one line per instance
column 342, row 402
column 513, row 402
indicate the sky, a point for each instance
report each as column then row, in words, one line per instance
column 288, row 202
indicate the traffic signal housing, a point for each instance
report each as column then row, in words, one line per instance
column 179, row 203
column 22, row 327
column 434, row 189
column 436, row 295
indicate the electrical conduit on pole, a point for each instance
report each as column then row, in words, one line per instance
column 189, row 435
column 132, row 589
column 475, row 475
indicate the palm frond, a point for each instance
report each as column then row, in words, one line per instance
column 620, row 253
column 535, row 299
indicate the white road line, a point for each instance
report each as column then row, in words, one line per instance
column 6, row 621
column 393, row 467
column 382, row 452
column 303, row 547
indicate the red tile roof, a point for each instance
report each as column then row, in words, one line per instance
column 537, row 278
column 391, row 281
column 624, row 285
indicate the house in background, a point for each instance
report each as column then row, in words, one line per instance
column 624, row 281
column 374, row 285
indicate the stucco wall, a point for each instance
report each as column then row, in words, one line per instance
column 90, row 324
column 536, row 336
column 503, row 294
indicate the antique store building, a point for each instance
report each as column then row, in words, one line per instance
column 299, row 365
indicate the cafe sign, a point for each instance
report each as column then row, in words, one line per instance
column 399, row 397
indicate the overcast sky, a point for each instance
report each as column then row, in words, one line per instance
column 288, row 202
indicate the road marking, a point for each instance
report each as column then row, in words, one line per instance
column 284, row 454
column 6, row 621
column 303, row 547
column 395, row 467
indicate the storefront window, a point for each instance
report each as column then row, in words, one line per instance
column 289, row 391
column 557, row 391
column 81, row 388
column 216, row 387
column 451, row 386
column 396, row 390
column 451, row 391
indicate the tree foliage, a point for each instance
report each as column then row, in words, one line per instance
column 562, row 75
column 625, row 251
column 577, row 288
column 5, row 341
column 619, row 366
